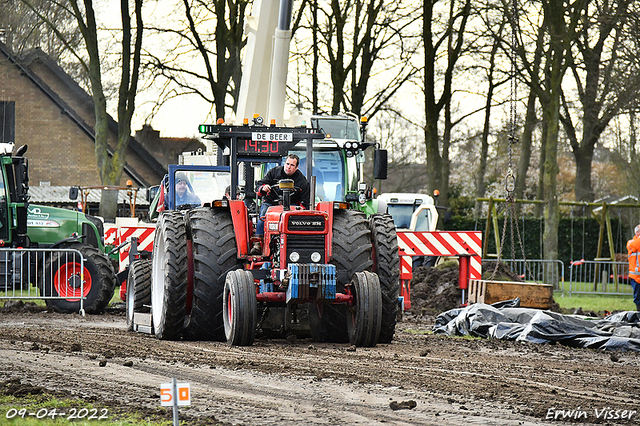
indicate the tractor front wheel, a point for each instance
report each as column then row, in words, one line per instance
column 67, row 279
column 240, row 308
column 366, row 312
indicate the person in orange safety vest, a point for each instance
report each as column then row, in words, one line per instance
column 633, row 246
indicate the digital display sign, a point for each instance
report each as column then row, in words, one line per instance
column 266, row 143
column 257, row 141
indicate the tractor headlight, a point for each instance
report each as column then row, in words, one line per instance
column 315, row 257
column 294, row 256
column 351, row 148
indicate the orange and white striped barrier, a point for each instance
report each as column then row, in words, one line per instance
column 466, row 244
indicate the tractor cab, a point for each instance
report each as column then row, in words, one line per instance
column 186, row 186
column 339, row 158
column 252, row 148
column 14, row 187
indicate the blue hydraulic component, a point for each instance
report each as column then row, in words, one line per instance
column 266, row 286
column 303, row 277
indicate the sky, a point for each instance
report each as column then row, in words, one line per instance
column 179, row 117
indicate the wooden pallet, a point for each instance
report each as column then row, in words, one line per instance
column 531, row 295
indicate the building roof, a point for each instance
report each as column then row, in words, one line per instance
column 60, row 195
column 23, row 64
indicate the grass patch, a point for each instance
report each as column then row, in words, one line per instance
column 468, row 337
column 417, row 331
column 594, row 302
column 21, row 295
column 16, row 411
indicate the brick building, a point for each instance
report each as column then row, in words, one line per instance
column 41, row 106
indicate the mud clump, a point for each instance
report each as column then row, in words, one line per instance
column 16, row 388
column 18, row 306
column 435, row 290
column 404, row 405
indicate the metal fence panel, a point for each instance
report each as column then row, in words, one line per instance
column 599, row 277
column 42, row 274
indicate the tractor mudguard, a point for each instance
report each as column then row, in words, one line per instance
column 240, row 218
column 65, row 241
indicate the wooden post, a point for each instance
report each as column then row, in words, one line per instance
column 487, row 229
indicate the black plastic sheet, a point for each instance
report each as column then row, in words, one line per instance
column 508, row 321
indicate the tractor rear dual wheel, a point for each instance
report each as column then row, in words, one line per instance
column 138, row 289
column 214, row 253
column 169, row 279
column 351, row 253
column 67, row 279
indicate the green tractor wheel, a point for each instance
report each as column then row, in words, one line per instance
column 66, row 279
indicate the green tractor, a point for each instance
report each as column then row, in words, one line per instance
column 59, row 251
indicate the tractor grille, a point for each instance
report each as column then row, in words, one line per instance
column 304, row 245
column 305, row 223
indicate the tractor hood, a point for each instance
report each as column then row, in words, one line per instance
column 49, row 225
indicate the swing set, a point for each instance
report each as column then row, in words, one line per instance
column 603, row 218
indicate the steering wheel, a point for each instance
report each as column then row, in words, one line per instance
column 280, row 191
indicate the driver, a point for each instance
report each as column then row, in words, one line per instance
column 270, row 196
column 184, row 194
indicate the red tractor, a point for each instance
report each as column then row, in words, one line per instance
column 313, row 274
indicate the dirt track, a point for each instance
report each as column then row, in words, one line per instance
column 452, row 381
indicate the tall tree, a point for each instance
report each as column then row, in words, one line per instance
column 110, row 161
column 530, row 121
column 606, row 75
column 562, row 18
column 356, row 40
column 559, row 22
column 455, row 26
column 493, row 81
column 110, row 166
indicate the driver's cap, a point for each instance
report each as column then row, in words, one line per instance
column 181, row 177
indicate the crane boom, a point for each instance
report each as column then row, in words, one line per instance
column 268, row 32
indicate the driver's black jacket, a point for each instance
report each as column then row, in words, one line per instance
column 274, row 176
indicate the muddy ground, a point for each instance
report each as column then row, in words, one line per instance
column 419, row 378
